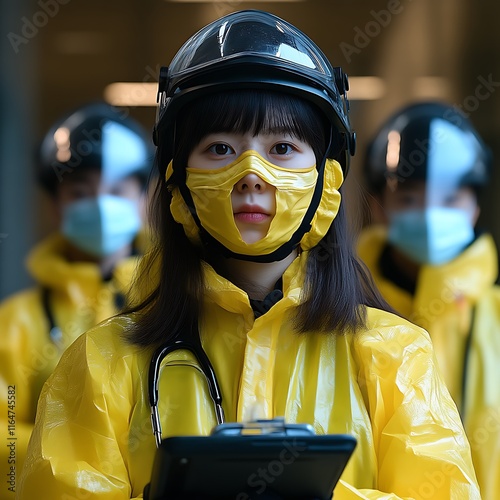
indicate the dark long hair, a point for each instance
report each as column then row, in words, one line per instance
column 336, row 287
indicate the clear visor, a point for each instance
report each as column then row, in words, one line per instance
column 251, row 33
column 115, row 149
column 435, row 172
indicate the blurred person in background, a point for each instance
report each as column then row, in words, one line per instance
column 426, row 167
column 94, row 164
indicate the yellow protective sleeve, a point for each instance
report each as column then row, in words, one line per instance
column 78, row 450
column 25, row 363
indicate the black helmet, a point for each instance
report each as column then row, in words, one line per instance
column 427, row 141
column 96, row 135
column 252, row 49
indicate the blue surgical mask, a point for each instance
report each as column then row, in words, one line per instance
column 101, row 226
column 432, row 236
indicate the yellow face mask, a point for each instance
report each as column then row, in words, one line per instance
column 295, row 189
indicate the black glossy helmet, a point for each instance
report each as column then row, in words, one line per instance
column 96, row 135
column 428, row 141
column 252, row 49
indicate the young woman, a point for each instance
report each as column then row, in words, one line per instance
column 254, row 268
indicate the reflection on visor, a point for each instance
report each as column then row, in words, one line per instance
column 452, row 152
column 123, row 151
column 294, row 55
column 451, row 156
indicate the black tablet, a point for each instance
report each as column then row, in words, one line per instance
column 244, row 467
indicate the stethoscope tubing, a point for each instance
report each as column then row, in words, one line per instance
column 154, row 374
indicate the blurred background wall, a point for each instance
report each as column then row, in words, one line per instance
column 59, row 54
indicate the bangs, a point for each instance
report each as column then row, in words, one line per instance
column 254, row 111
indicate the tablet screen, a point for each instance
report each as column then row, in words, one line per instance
column 260, row 467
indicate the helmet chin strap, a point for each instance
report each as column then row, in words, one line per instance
column 212, row 245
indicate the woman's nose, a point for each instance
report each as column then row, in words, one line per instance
column 251, row 183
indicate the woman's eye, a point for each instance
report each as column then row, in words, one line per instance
column 221, row 149
column 79, row 192
column 117, row 191
column 282, row 149
column 408, row 200
column 451, row 200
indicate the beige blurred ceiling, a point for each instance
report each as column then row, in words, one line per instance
column 89, row 44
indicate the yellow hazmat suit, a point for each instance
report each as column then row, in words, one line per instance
column 77, row 299
column 93, row 437
column 458, row 304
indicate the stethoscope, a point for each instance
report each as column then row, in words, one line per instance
column 206, row 368
column 194, row 346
